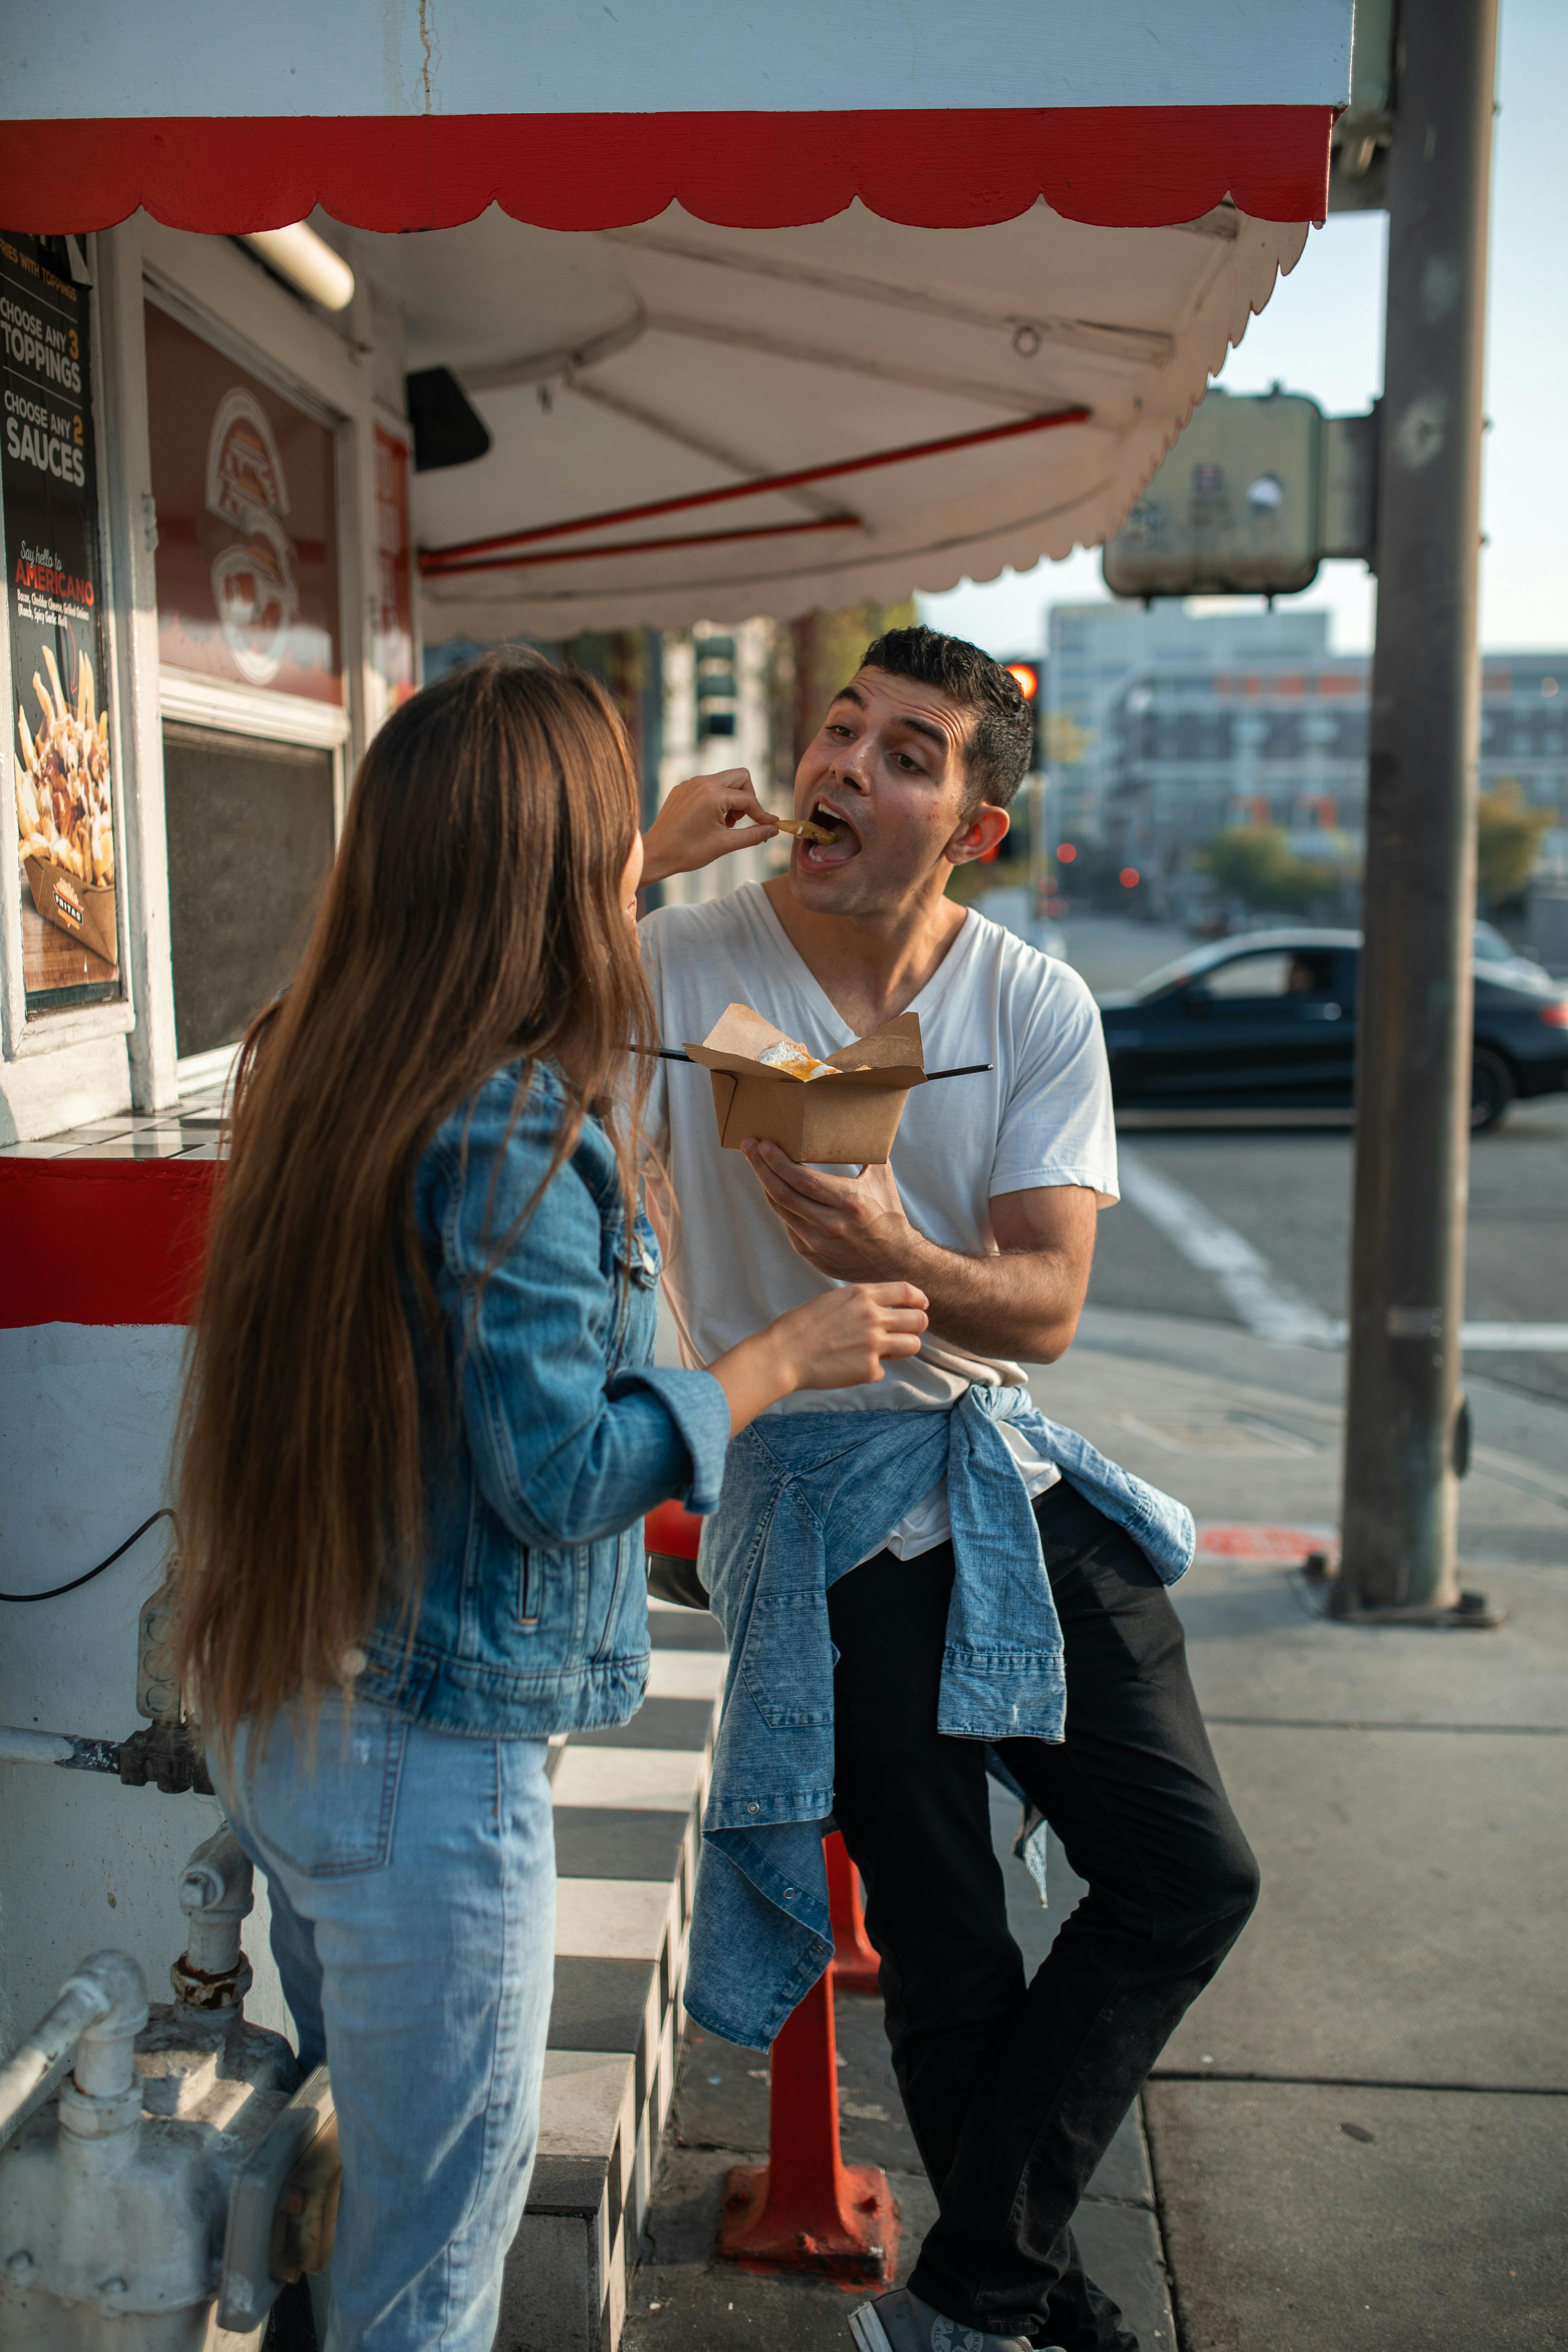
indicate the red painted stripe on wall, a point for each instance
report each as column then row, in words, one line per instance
column 102, row 1241
column 1119, row 167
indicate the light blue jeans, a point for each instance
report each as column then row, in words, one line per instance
column 412, row 1874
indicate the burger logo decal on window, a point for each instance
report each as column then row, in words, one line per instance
column 255, row 590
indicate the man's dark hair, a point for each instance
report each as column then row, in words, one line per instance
column 1001, row 743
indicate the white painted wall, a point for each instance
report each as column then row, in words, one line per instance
column 86, row 1419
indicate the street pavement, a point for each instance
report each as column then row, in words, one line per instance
column 1359, row 2135
column 1286, row 1193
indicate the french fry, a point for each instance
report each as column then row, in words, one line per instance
column 42, row 691
column 83, row 691
column 29, row 752
column 804, row 827
column 26, row 803
column 53, row 667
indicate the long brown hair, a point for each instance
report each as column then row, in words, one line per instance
column 472, row 917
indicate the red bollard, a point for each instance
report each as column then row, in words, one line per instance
column 856, row 1966
column 805, row 2209
column 671, row 1534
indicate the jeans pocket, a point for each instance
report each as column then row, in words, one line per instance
column 325, row 1806
column 790, row 1629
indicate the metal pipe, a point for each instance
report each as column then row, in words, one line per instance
column 69, row 1749
column 217, row 1893
column 19, row 1747
column 101, row 2011
column 1414, row 1043
column 105, row 2067
column 431, row 559
column 430, row 570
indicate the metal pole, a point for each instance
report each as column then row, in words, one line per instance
column 1412, row 1153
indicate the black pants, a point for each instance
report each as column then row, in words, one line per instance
column 1014, row 2092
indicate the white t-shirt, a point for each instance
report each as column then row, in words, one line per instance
column 1040, row 1116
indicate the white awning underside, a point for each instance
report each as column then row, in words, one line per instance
column 621, row 367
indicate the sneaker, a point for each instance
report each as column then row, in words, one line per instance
column 901, row 2322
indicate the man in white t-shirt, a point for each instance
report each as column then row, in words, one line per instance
column 989, row 1205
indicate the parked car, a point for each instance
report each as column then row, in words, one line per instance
column 1266, row 1023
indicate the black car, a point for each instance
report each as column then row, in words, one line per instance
column 1266, row 1023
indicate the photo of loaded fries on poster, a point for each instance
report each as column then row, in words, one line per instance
column 62, row 755
column 63, row 808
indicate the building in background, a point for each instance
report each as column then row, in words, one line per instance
column 1524, row 740
column 1165, row 726
column 1188, row 750
column 1094, row 654
column 723, row 703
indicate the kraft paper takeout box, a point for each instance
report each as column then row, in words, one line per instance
column 852, row 1118
column 84, row 910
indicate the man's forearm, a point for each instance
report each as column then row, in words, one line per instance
column 1022, row 1301
column 1023, row 1304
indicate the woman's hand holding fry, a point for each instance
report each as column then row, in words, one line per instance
column 703, row 819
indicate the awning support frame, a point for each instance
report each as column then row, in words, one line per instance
column 437, row 561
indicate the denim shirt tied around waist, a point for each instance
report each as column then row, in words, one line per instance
column 806, row 1495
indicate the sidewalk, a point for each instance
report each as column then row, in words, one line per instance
column 1359, row 2135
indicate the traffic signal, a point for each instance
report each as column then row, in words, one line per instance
column 1031, row 676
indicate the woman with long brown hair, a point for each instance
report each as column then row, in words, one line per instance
column 421, row 1427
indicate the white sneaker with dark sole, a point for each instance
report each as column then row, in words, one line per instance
column 901, row 2322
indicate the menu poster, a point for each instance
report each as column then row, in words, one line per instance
column 60, row 755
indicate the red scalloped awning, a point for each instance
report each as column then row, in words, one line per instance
column 1115, row 167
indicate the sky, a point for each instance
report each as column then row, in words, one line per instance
column 1322, row 334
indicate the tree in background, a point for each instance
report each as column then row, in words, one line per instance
column 827, row 650
column 1255, row 865
column 1509, row 835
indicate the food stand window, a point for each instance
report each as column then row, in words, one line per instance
column 251, row 840
column 62, row 753
column 245, row 487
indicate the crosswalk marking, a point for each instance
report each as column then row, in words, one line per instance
column 1263, row 1301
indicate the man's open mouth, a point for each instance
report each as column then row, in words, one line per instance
column 821, row 856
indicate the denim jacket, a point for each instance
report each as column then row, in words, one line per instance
column 533, row 1614
column 805, row 1494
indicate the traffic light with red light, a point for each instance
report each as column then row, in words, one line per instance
column 1031, row 676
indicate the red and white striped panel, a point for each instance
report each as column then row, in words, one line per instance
column 404, row 114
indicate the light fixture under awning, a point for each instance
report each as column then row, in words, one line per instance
column 307, row 261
